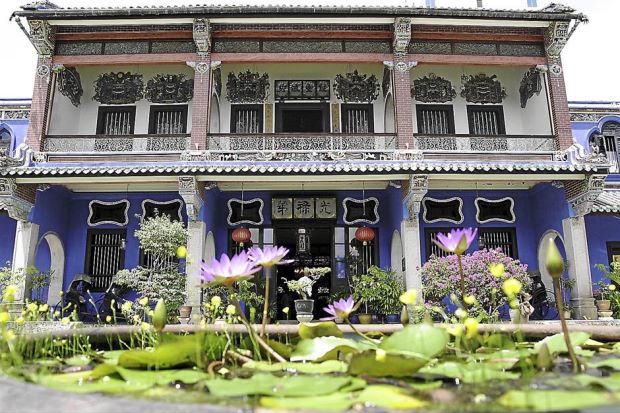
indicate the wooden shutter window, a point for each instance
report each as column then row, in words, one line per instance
column 435, row 119
column 246, row 119
column 486, row 120
column 116, row 120
column 168, row 120
column 357, row 119
column 104, row 256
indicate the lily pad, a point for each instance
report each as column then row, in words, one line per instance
column 152, row 377
column 392, row 365
column 468, row 373
column 329, row 366
column 269, row 385
column 418, row 339
column 556, row 344
column 384, row 396
column 81, row 360
column 555, row 400
column 324, row 348
column 609, row 363
column 611, row 383
column 80, row 383
column 323, row 329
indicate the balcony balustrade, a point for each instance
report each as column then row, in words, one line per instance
column 115, row 143
column 496, row 143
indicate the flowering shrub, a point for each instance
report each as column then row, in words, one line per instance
column 440, row 278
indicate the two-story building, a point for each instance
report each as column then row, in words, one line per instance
column 302, row 125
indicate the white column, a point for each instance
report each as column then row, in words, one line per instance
column 195, row 248
column 26, row 237
column 576, row 245
column 410, row 231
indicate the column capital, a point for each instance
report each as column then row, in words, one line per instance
column 202, row 35
column 192, row 195
column 402, row 35
column 416, row 190
column 42, row 37
column 16, row 204
column 582, row 194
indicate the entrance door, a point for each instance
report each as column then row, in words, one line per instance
column 319, row 255
column 302, row 117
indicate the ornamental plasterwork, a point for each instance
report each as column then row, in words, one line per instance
column 587, row 116
column 247, row 87
column 232, row 201
column 118, row 88
column 402, row 35
column 42, row 36
column 70, row 85
column 169, row 88
column 432, row 89
column 510, row 201
column 459, row 210
column 372, row 210
column 531, row 85
column 587, row 194
column 482, row 89
column 202, row 35
column 356, row 87
column 558, row 36
column 188, row 189
column 163, row 203
column 416, row 191
column 124, row 219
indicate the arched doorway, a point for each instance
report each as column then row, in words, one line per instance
column 50, row 255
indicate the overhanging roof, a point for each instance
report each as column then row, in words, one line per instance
column 607, row 202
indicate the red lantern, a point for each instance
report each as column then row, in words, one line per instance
column 241, row 235
column 364, row 235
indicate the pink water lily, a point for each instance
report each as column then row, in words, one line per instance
column 269, row 256
column 227, row 271
column 340, row 309
column 456, row 241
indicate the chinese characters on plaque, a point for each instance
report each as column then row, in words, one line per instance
column 303, row 208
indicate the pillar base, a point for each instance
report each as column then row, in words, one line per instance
column 584, row 309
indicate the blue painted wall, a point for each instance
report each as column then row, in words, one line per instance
column 601, row 229
column 536, row 210
column 18, row 128
column 7, row 238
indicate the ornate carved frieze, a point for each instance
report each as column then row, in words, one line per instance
column 356, row 87
column 415, row 192
column 482, row 89
column 432, row 89
column 189, row 191
column 16, row 206
column 175, row 88
column 202, row 35
column 531, row 84
column 247, row 87
column 42, row 36
column 118, row 88
column 70, row 85
column 582, row 194
column 587, row 116
column 558, row 36
column 302, row 89
column 402, row 35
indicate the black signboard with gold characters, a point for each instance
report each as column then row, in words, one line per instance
column 303, row 208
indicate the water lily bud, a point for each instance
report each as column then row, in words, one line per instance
column 404, row 316
column 554, row 262
column 181, row 252
column 160, row 315
column 544, row 361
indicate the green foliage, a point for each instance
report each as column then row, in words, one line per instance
column 160, row 236
column 270, row 385
column 555, row 400
column 323, row 329
column 329, row 366
column 555, row 344
column 10, row 277
column 379, row 290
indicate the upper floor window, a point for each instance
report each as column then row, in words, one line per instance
column 357, row 119
column 435, row 119
column 246, row 119
column 116, row 120
column 168, row 119
column 486, row 120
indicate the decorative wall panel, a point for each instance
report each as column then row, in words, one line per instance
column 302, row 89
column 423, row 47
column 471, row 48
column 370, row 46
column 356, row 87
column 432, row 89
column 135, row 47
column 482, row 89
column 302, row 46
column 70, row 85
column 531, row 84
column 236, row 46
column 247, row 87
column 357, row 211
column 175, row 88
column 521, row 49
column 118, row 88
column 79, row 48
column 173, row 46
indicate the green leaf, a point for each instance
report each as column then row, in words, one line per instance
column 81, row 360
column 556, row 344
column 394, row 364
column 269, row 385
column 418, row 339
column 383, row 396
column 79, row 383
column 152, row 377
column 609, row 363
column 468, row 373
column 329, row 366
column 324, row 348
column 323, row 329
column 555, row 400
column 611, row 383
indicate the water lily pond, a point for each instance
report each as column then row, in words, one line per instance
column 419, row 367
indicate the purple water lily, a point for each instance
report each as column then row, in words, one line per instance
column 269, row 256
column 340, row 309
column 456, row 241
column 227, row 271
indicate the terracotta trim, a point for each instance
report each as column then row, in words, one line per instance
column 526, row 38
column 290, row 34
column 125, row 59
column 302, row 57
column 124, row 36
column 478, row 60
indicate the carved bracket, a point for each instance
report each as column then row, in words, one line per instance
column 402, row 35
column 189, row 191
column 558, row 37
column 42, row 36
column 69, row 84
column 355, row 87
column 415, row 192
column 202, row 35
column 432, row 89
column 582, row 194
column 17, row 207
column 531, row 85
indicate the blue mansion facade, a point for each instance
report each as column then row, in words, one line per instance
column 302, row 125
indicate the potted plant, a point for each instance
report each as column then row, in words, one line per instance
column 391, row 287
column 609, row 298
column 367, row 288
column 567, row 285
column 303, row 286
